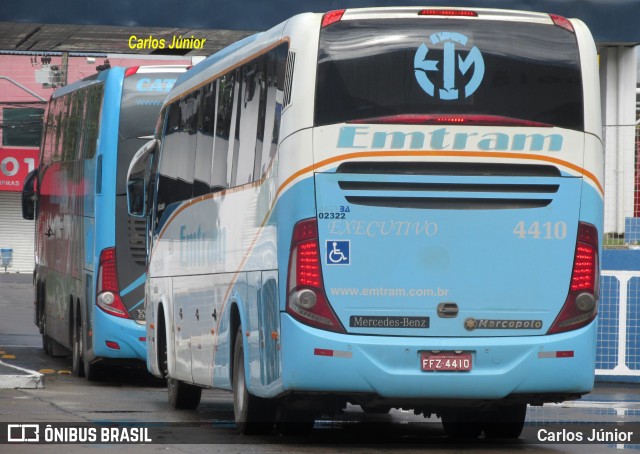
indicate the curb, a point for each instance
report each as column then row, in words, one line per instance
column 22, row 379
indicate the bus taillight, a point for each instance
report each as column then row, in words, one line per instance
column 306, row 299
column 581, row 307
column 332, row 17
column 447, row 12
column 131, row 71
column 108, row 296
column 562, row 22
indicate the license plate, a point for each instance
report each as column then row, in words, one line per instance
column 445, row 361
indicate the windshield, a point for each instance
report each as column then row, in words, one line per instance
column 499, row 69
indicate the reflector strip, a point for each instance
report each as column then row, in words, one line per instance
column 112, row 345
column 558, row 354
column 333, row 353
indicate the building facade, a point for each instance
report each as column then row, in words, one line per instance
column 26, row 83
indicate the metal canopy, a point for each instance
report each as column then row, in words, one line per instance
column 85, row 26
column 38, row 37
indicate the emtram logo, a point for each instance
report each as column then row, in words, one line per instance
column 453, row 45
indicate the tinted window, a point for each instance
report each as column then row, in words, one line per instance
column 175, row 174
column 249, row 112
column 223, row 130
column 372, row 68
column 92, row 120
column 22, row 127
column 142, row 97
column 204, row 143
column 275, row 62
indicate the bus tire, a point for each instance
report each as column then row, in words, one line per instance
column 505, row 422
column 464, row 424
column 252, row 414
column 77, row 363
column 183, row 396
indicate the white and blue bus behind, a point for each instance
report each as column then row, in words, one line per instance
column 90, row 255
column 406, row 211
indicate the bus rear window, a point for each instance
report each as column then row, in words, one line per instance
column 142, row 97
column 385, row 68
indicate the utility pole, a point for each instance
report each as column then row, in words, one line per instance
column 64, row 69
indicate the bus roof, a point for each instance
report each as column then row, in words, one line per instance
column 217, row 63
column 95, row 78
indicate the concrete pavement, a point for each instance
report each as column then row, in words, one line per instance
column 16, row 307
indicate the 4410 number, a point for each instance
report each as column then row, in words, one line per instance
column 538, row 230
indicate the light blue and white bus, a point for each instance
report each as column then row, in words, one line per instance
column 394, row 207
column 90, row 257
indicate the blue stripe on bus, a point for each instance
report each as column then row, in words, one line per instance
column 135, row 284
column 136, row 305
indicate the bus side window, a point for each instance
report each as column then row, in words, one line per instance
column 234, row 132
column 187, row 138
column 249, row 107
column 275, row 61
column 94, row 102
column 222, row 169
column 261, row 93
column 50, row 132
column 219, row 159
column 204, row 141
column 175, row 173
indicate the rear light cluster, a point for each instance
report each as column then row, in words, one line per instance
column 306, row 298
column 581, row 307
column 108, row 296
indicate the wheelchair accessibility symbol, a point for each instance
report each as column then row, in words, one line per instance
column 338, row 252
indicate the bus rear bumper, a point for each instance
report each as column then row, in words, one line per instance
column 127, row 335
column 317, row 361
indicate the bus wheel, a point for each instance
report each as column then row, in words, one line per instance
column 505, row 421
column 462, row 424
column 77, row 348
column 183, row 396
column 253, row 415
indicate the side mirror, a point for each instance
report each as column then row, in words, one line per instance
column 29, row 196
column 138, row 179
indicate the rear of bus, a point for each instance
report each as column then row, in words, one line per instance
column 457, row 176
column 121, row 241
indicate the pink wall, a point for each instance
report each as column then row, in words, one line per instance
column 20, row 69
column 15, row 162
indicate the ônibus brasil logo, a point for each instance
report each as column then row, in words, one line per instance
column 450, row 42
